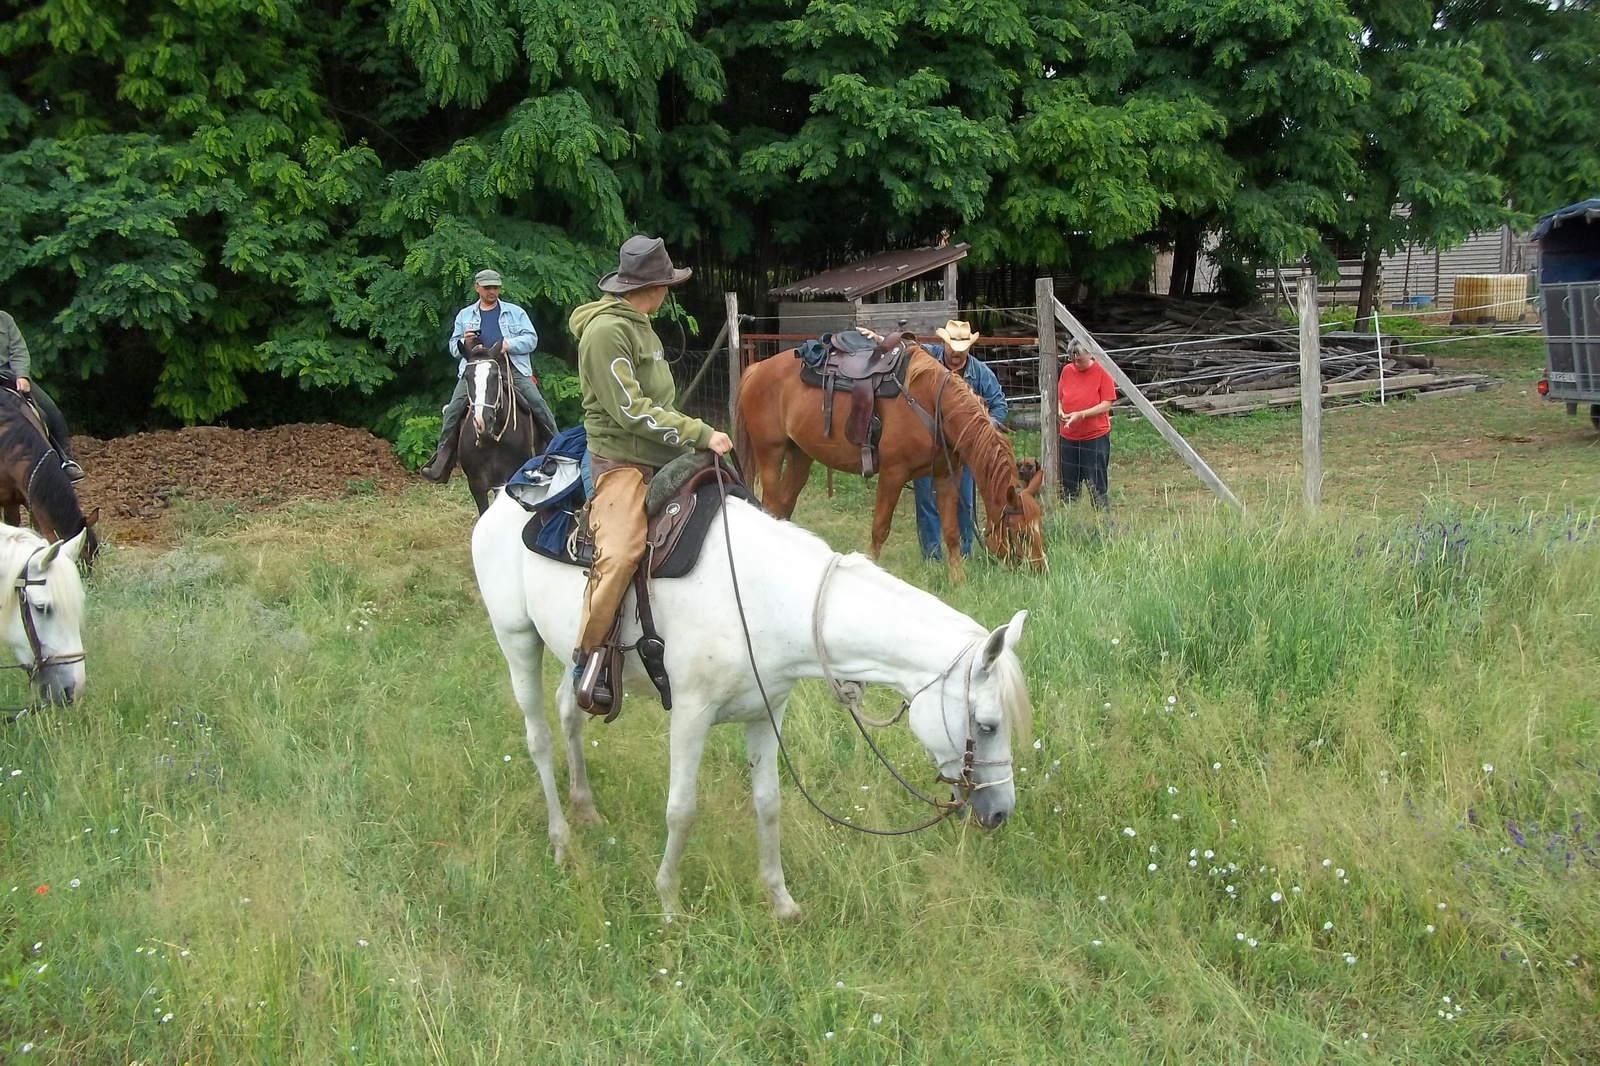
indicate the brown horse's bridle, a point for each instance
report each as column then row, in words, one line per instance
column 41, row 661
column 502, row 360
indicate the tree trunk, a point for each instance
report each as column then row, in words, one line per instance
column 1369, row 292
column 1185, row 257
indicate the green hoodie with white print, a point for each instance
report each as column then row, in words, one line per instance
column 628, row 389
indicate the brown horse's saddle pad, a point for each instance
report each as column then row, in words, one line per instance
column 679, row 511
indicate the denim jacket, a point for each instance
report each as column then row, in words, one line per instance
column 981, row 380
column 515, row 327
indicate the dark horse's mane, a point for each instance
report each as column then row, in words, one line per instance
column 45, row 486
column 966, row 422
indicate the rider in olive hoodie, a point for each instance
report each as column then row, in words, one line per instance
column 628, row 389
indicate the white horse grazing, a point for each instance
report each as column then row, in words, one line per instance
column 42, row 610
column 964, row 684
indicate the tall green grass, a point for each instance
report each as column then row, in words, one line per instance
column 303, row 824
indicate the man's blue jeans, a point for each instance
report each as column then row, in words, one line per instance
column 928, row 532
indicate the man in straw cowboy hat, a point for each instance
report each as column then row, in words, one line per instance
column 491, row 321
column 633, row 428
column 958, row 339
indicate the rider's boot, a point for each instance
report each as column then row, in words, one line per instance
column 70, row 467
column 443, row 461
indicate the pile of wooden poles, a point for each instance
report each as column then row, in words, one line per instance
column 1202, row 356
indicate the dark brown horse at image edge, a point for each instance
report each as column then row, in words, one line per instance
column 31, row 477
column 779, row 425
column 497, row 433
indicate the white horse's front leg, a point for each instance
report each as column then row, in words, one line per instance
column 761, row 748
column 572, row 719
column 524, row 653
column 688, row 743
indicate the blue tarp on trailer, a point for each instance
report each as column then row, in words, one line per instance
column 1569, row 243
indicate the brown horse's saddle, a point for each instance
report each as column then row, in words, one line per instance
column 868, row 371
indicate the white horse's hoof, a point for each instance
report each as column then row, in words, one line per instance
column 787, row 910
column 588, row 817
column 561, row 854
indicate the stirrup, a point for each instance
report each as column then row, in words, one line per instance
column 594, row 689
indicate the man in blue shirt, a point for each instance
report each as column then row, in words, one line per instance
column 958, row 340
column 492, row 321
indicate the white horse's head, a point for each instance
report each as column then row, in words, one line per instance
column 970, row 715
column 44, row 613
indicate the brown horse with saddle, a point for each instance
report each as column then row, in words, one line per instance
column 31, row 476
column 905, row 415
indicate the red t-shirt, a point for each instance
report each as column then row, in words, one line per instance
column 1080, row 390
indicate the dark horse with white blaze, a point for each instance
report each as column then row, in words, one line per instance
column 497, row 435
column 31, row 476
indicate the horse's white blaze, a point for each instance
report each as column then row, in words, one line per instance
column 56, row 606
column 875, row 627
column 480, row 392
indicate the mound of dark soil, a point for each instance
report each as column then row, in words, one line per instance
column 134, row 480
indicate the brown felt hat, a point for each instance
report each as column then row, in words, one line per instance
column 957, row 334
column 641, row 263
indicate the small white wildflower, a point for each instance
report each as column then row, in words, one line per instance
column 1442, row 906
column 38, row 945
column 1338, row 873
column 1295, row 890
column 165, row 1018
column 1327, row 926
column 1447, row 999
column 1151, row 867
column 1193, row 863
column 1095, row 943
column 27, row 1047
column 1172, row 790
column 1216, row 766
column 662, row 971
column 74, row 883
column 1239, row 937
column 244, row 899
column 1430, row 929
column 877, row 1019
column 1252, row 942
column 1277, row 897
column 838, row 985
column 1152, row 849
column 1128, row 831
column 1107, row 707
column 828, row 1035
column 594, row 743
column 183, row 954
column 508, row 758
column 1055, row 810
column 1038, row 745
column 43, row 966
column 1327, row 863
column 1171, row 700
column 1102, row 899
column 1210, row 854
column 1349, row 960
column 16, row 773
column 677, row 984
column 1488, row 767
column 1229, row 890
column 361, row 943
column 1364, row 1036
column 114, row 829
column 1177, row 817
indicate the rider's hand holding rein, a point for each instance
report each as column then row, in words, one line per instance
column 23, row 386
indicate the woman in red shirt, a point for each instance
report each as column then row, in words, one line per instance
column 1085, row 392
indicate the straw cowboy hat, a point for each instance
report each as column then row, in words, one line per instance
column 643, row 262
column 957, row 334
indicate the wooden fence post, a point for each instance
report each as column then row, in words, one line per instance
column 735, row 354
column 1311, row 392
column 1044, row 292
column 1146, row 408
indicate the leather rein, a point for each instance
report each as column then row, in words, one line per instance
column 504, row 398
column 963, row 783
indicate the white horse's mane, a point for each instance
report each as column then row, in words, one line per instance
column 1015, row 704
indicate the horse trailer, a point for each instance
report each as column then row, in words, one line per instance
column 1569, row 282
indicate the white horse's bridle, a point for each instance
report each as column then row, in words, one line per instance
column 40, row 661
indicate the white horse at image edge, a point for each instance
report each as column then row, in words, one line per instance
column 41, row 611
column 965, row 686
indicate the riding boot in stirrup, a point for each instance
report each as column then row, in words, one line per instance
column 439, row 467
column 73, row 471
column 593, row 686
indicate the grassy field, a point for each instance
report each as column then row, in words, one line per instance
column 1305, row 790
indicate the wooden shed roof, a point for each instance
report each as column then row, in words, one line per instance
column 867, row 276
